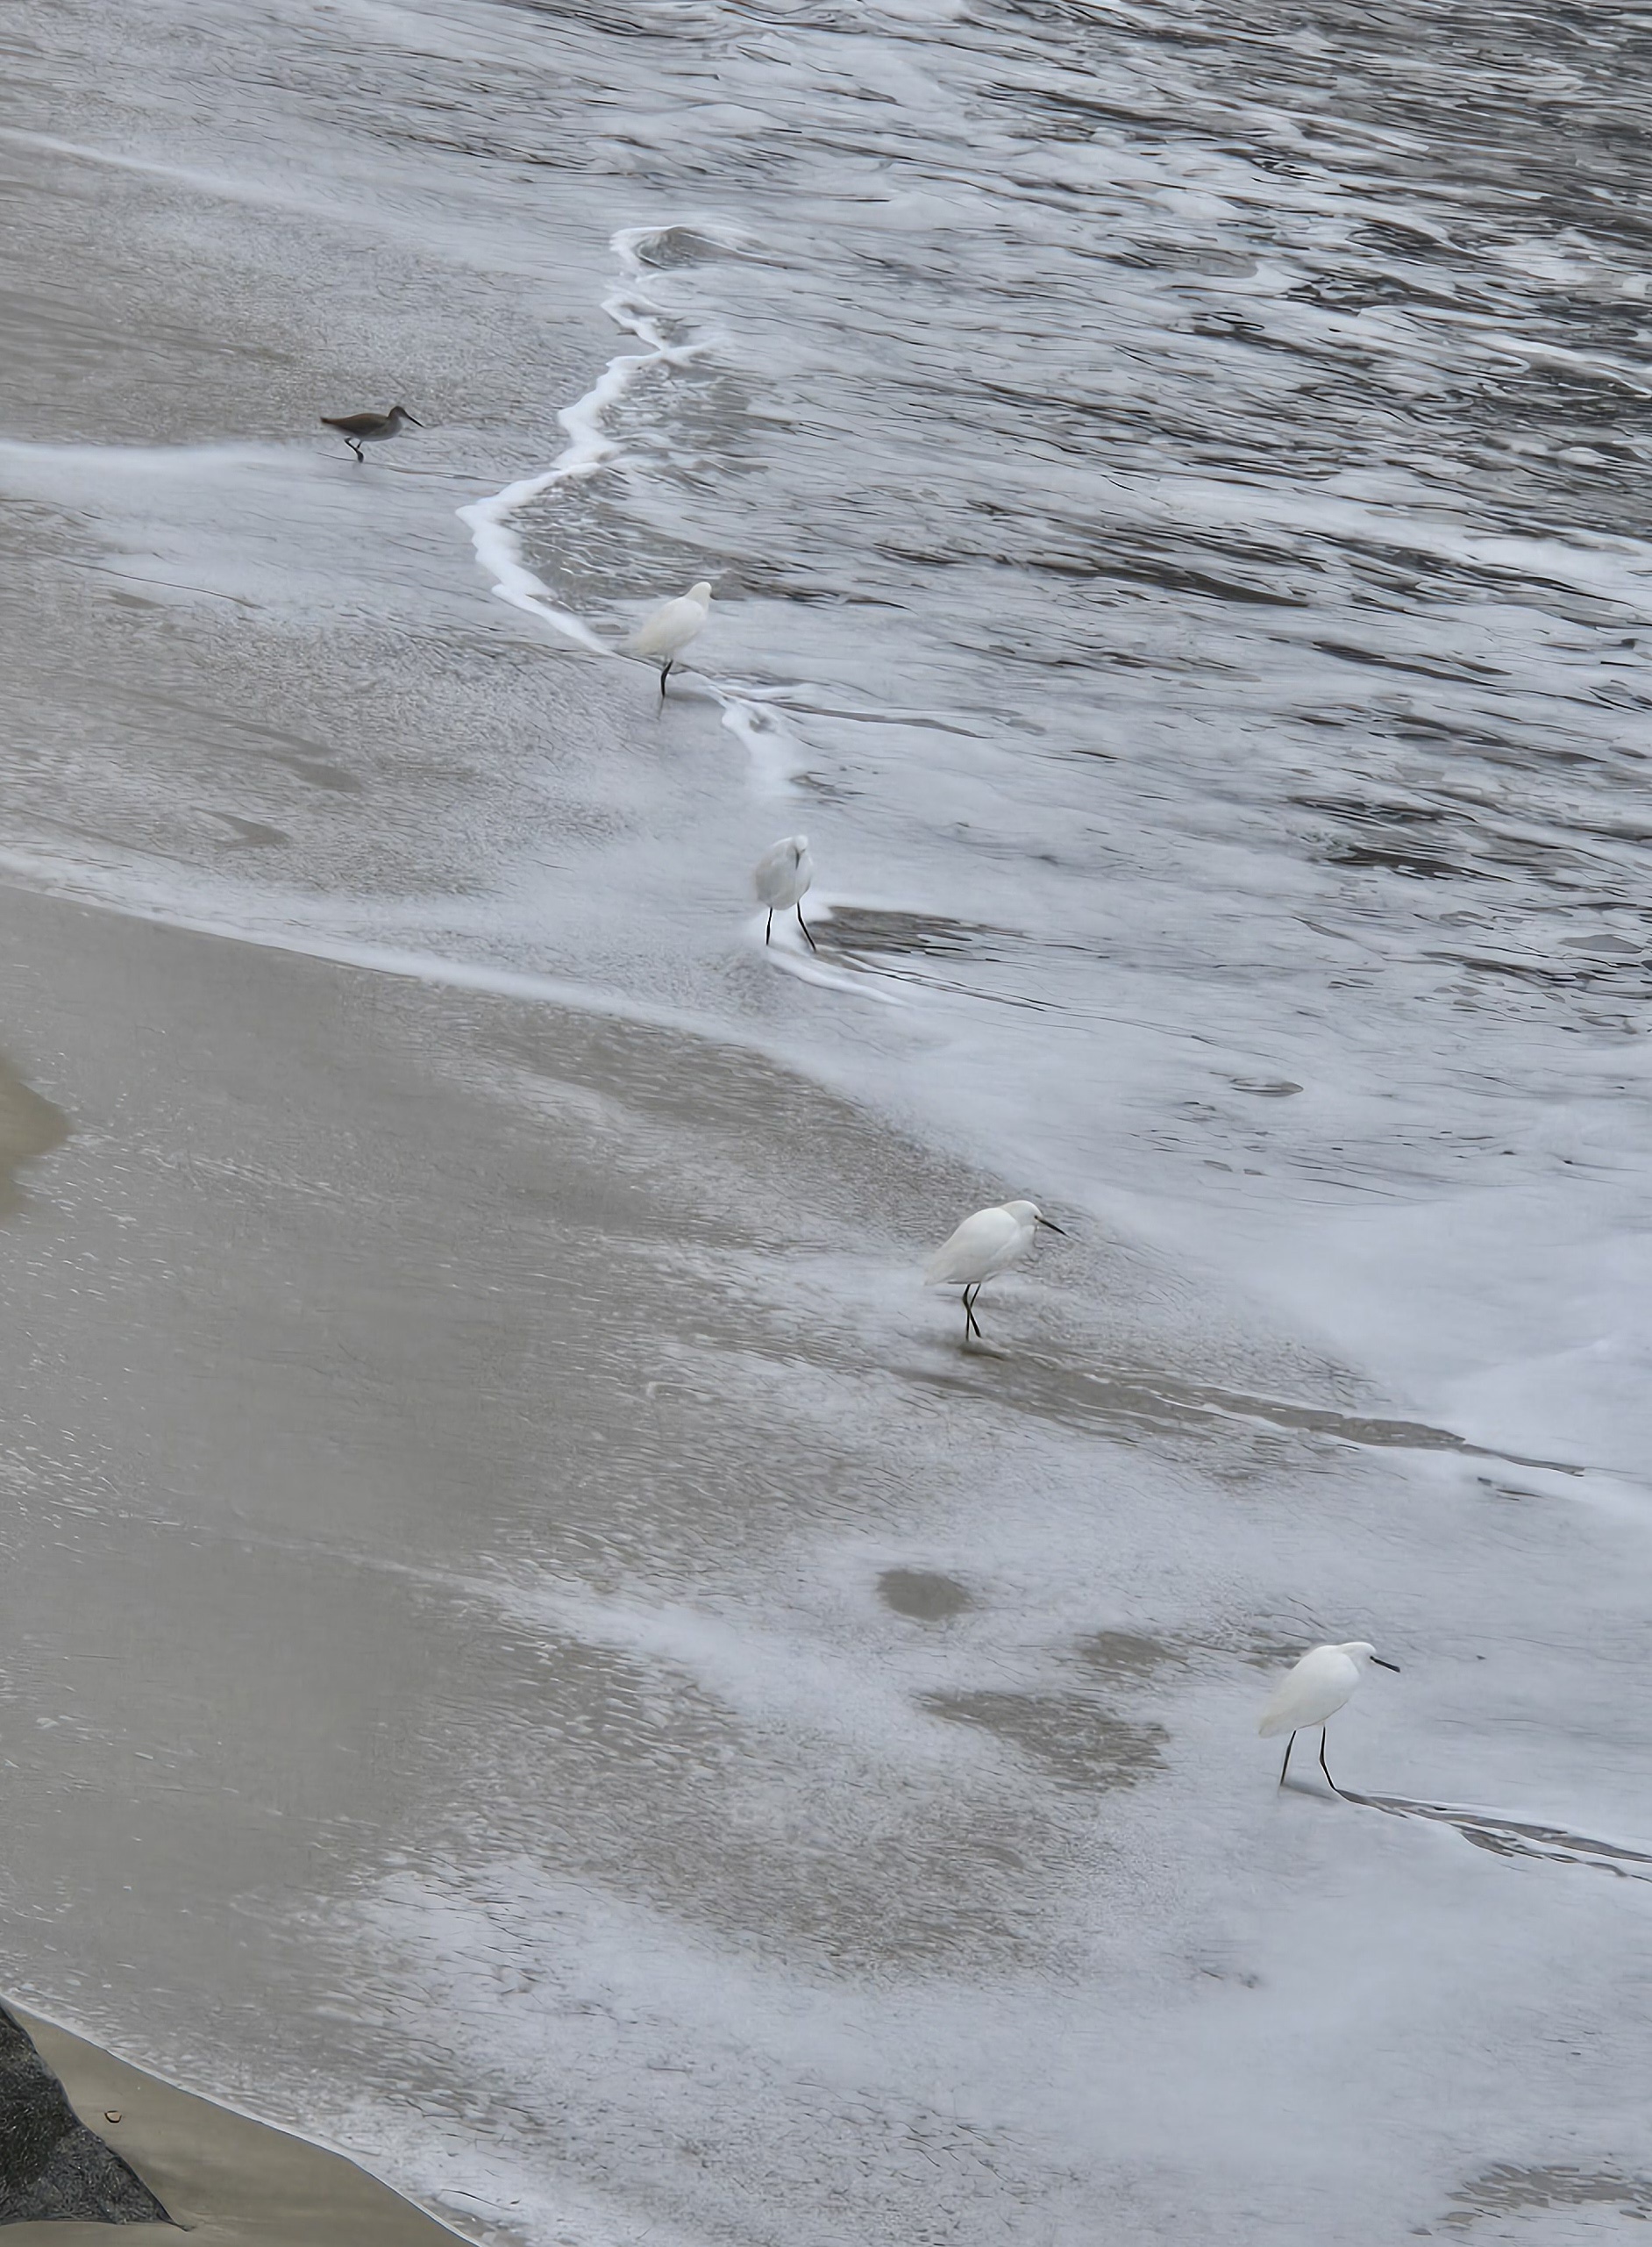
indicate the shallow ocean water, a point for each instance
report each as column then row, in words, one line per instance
column 1174, row 484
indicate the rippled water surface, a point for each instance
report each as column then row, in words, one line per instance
column 1176, row 478
column 1174, row 481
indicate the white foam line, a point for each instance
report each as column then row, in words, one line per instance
column 770, row 1678
column 784, row 950
column 133, row 900
column 1530, row 351
column 215, row 183
column 775, row 753
column 84, row 885
column 590, row 448
column 145, row 459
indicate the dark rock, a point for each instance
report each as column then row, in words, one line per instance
column 53, row 2169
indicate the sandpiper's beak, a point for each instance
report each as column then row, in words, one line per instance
column 413, row 418
column 1050, row 1225
column 1381, row 1665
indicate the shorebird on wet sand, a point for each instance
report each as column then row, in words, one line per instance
column 984, row 1245
column 1312, row 1693
column 663, row 636
column 782, row 879
column 360, row 429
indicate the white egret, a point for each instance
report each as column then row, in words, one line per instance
column 1312, row 1691
column 984, row 1245
column 663, row 636
column 782, row 878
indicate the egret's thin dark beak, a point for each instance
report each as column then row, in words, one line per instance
column 1050, row 1225
column 1381, row 1665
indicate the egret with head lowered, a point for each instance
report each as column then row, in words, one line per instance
column 663, row 636
column 983, row 1246
column 782, row 879
column 1312, row 1691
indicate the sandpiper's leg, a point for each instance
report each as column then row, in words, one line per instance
column 768, row 926
column 1285, row 1765
column 665, row 674
column 803, row 924
column 357, row 450
column 1325, row 1767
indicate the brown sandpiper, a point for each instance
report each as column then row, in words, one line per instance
column 360, row 429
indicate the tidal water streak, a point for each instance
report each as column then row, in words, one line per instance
column 1175, row 483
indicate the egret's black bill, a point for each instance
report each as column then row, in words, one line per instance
column 1053, row 1227
column 1381, row 1665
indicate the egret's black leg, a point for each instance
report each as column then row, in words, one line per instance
column 1325, row 1767
column 803, row 924
column 665, row 674
column 768, row 926
column 1285, row 1765
column 969, row 1326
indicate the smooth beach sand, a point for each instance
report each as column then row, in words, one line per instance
column 228, row 2181
column 350, row 1309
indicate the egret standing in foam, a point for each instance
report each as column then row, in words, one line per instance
column 663, row 636
column 782, row 878
column 983, row 1246
column 1313, row 1691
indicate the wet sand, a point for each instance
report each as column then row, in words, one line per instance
column 465, row 1452
column 226, row 2180
column 349, row 1309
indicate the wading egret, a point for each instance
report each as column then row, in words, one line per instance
column 782, row 879
column 984, row 1245
column 663, row 636
column 1312, row 1691
column 360, row 429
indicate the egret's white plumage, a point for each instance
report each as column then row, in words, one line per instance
column 782, row 878
column 663, row 636
column 984, row 1245
column 1312, row 1691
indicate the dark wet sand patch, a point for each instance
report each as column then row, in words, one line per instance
column 1068, row 1736
column 1124, row 1658
column 1507, row 2189
column 858, row 929
column 30, row 1127
column 1517, row 1838
column 1128, row 1402
column 923, row 1594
